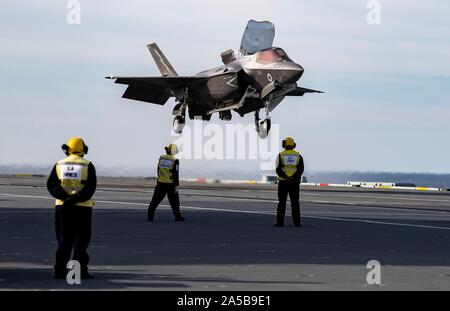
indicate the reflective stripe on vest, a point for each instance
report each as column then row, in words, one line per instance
column 165, row 167
column 72, row 173
column 289, row 161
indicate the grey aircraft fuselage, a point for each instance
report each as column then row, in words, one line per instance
column 227, row 84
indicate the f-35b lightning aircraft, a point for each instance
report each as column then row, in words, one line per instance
column 259, row 79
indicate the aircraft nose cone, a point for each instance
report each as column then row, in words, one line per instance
column 295, row 72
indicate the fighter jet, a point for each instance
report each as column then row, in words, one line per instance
column 260, row 78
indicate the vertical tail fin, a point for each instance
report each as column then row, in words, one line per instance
column 161, row 61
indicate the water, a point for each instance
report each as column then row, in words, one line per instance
column 242, row 172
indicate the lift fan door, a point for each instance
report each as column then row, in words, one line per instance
column 257, row 36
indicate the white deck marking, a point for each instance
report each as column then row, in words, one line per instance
column 248, row 212
column 392, row 197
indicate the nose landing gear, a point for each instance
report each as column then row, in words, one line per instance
column 178, row 124
column 263, row 127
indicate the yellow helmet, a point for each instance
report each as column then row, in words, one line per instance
column 75, row 145
column 289, row 142
column 172, row 149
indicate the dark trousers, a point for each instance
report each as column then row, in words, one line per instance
column 161, row 190
column 73, row 231
column 293, row 189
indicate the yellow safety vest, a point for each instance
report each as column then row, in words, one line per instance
column 165, row 167
column 289, row 161
column 73, row 173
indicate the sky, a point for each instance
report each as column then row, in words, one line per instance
column 386, row 105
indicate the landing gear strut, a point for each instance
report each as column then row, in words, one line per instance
column 179, row 111
column 263, row 127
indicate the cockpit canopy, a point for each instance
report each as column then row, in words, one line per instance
column 271, row 55
column 257, row 36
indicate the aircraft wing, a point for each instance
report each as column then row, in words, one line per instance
column 300, row 91
column 157, row 90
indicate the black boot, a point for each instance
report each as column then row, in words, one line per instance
column 150, row 216
column 60, row 275
column 59, row 272
column 85, row 275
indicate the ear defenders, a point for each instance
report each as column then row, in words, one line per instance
column 283, row 144
column 66, row 148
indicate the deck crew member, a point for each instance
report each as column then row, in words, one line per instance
column 167, row 183
column 72, row 182
column 289, row 168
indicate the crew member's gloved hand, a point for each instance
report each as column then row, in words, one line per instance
column 72, row 200
column 175, row 189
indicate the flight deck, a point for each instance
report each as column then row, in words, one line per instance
column 228, row 241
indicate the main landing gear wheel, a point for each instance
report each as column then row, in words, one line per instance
column 264, row 128
column 178, row 124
